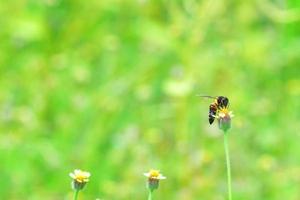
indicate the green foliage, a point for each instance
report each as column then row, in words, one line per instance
column 109, row 86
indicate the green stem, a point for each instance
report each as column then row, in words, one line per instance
column 228, row 166
column 150, row 195
column 76, row 194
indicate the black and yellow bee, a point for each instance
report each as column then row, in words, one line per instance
column 219, row 103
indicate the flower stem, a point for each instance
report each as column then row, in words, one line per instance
column 150, row 195
column 228, row 166
column 76, row 194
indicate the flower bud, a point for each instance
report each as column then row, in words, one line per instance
column 154, row 176
column 224, row 119
column 80, row 178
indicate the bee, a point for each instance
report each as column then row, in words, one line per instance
column 219, row 102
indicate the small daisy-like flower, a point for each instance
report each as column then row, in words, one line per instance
column 154, row 176
column 224, row 118
column 80, row 178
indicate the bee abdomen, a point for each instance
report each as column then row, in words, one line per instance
column 212, row 112
column 211, row 118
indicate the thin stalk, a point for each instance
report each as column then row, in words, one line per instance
column 76, row 194
column 228, row 166
column 150, row 195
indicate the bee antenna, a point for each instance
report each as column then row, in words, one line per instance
column 205, row 96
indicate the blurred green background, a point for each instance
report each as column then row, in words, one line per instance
column 109, row 86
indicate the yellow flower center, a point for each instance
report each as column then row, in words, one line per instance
column 225, row 111
column 81, row 178
column 154, row 174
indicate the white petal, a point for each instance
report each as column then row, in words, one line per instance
column 147, row 174
column 72, row 175
column 161, row 177
column 221, row 115
column 87, row 174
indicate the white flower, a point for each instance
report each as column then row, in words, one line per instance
column 224, row 118
column 154, row 174
column 80, row 176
